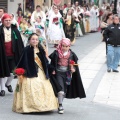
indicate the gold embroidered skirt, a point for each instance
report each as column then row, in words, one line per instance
column 34, row 95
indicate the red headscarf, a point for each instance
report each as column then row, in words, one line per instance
column 5, row 16
column 64, row 41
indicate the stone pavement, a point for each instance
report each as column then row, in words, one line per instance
column 108, row 91
column 102, row 90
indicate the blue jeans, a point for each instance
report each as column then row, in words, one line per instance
column 113, row 57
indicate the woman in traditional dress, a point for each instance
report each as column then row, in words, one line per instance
column 78, row 28
column 40, row 30
column 34, row 92
column 86, row 20
column 80, row 17
column 20, row 17
column 56, row 32
column 14, row 21
column 23, row 27
column 94, row 19
column 40, row 27
column 70, row 26
column 29, row 30
column 105, row 24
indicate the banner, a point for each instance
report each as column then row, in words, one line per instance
column 57, row 2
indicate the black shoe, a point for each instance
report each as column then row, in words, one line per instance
column 108, row 70
column 2, row 93
column 115, row 71
column 15, row 77
column 9, row 88
column 60, row 110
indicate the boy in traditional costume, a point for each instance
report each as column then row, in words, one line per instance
column 66, row 72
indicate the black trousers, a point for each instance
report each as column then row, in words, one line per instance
column 61, row 78
column 11, row 63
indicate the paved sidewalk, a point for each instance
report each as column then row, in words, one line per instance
column 108, row 91
column 91, row 64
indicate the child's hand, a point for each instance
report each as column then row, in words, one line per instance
column 53, row 73
column 65, row 20
column 72, row 70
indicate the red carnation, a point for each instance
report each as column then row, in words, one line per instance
column 55, row 20
column 72, row 62
column 19, row 71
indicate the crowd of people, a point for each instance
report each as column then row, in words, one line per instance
column 57, row 22
column 42, row 85
column 43, row 80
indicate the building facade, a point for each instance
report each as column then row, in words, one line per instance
column 12, row 5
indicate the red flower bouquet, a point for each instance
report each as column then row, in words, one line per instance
column 19, row 72
column 55, row 20
column 73, row 62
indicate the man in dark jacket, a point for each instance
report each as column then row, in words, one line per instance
column 112, row 37
column 2, row 11
column 11, row 46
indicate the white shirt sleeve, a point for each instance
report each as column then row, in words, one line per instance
column 44, row 17
column 32, row 17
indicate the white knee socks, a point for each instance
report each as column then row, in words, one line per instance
column 60, row 97
column 6, row 80
column 2, row 83
column 9, row 80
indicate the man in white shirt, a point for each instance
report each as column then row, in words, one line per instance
column 36, row 13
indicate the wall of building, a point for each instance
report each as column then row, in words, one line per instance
column 38, row 2
column 13, row 5
column 48, row 3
